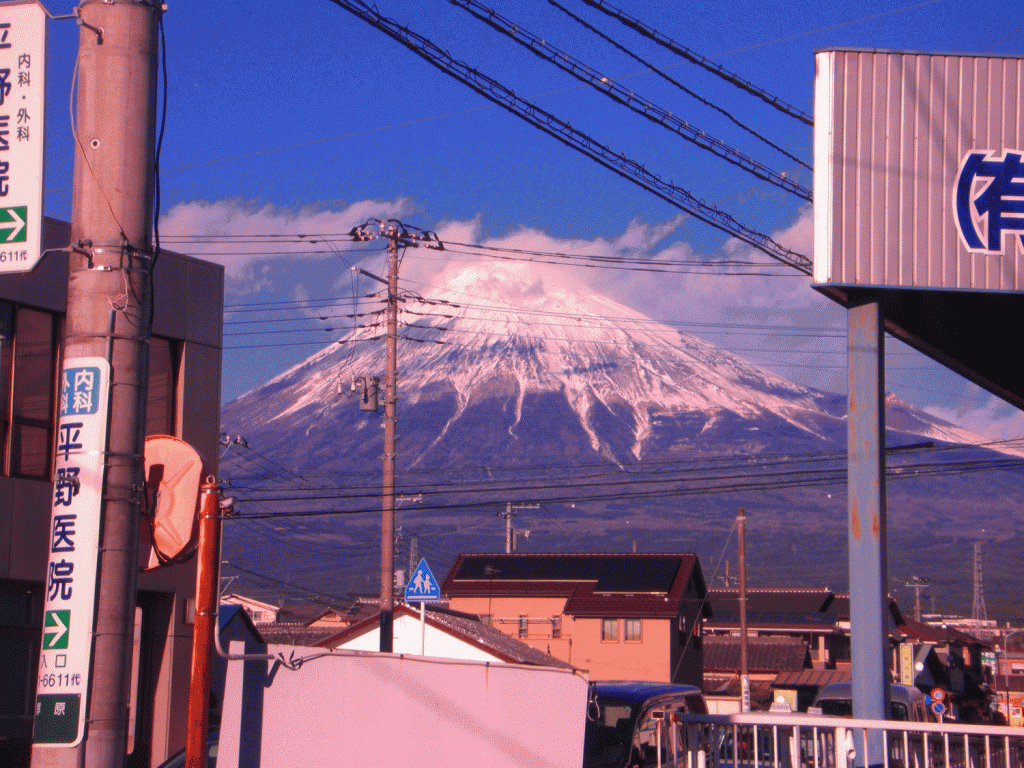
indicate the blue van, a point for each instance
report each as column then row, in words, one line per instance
column 623, row 719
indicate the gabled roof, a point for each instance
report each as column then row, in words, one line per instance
column 933, row 633
column 463, row 626
column 775, row 601
column 594, row 584
column 234, row 598
column 764, row 654
column 810, row 678
column 234, row 613
column 773, row 607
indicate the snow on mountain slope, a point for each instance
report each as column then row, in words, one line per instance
column 507, row 333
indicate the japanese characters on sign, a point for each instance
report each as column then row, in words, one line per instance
column 22, row 90
column 63, row 680
column 989, row 200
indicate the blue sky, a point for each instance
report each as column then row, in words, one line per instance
column 297, row 117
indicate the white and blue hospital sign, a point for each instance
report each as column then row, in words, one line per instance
column 422, row 587
column 62, row 685
column 988, row 200
column 79, row 391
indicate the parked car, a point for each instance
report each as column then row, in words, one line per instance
column 623, row 718
column 907, row 702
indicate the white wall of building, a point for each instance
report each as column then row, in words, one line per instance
column 408, row 639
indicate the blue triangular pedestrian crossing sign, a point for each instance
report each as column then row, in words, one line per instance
column 422, row 586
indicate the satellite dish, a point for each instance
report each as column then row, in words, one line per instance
column 170, row 527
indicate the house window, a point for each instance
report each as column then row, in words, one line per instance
column 556, row 627
column 609, row 630
column 28, row 371
column 522, row 627
column 631, row 630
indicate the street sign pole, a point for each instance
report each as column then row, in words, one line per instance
column 422, row 588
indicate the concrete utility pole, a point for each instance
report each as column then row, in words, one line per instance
column 396, row 234
column 387, row 533
column 511, row 534
column 917, row 583
column 741, row 535
column 108, row 316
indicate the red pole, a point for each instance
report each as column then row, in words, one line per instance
column 208, row 556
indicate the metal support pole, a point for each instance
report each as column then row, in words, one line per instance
column 207, row 581
column 108, row 317
column 867, row 523
column 741, row 535
column 508, row 528
column 387, row 534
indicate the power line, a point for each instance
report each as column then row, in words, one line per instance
column 565, row 133
column 641, row 106
column 736, row 121
column 701, row 61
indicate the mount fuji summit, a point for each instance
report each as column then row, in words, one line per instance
column 517, row 386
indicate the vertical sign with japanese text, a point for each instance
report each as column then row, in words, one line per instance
column 22, row 105
column 63, row 680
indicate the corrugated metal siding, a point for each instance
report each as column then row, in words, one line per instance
column 891, row 130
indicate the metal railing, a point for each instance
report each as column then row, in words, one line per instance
column 768, row 740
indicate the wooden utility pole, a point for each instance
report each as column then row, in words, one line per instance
column 108, row 320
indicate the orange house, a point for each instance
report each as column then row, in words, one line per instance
column 618, row 616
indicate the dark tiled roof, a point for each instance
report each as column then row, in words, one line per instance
column 584, row 603
column 465, row 627
column 933, row 633
column 764, row 654
column 295, row 634
column 810, row 678
column 640, row 585
column 611, row 572
column 773, row 607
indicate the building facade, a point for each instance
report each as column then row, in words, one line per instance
column 184, row 397
column 617, row 616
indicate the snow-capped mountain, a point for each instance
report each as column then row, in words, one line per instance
column 516, row 386
column 498, row 339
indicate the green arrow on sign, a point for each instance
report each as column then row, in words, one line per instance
column 55, row 629
column 12, row 220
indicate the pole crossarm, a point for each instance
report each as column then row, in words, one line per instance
column 394, row 230
column 638, row 104
column 565, row 133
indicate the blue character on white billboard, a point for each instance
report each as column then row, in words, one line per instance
column 988, row 201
